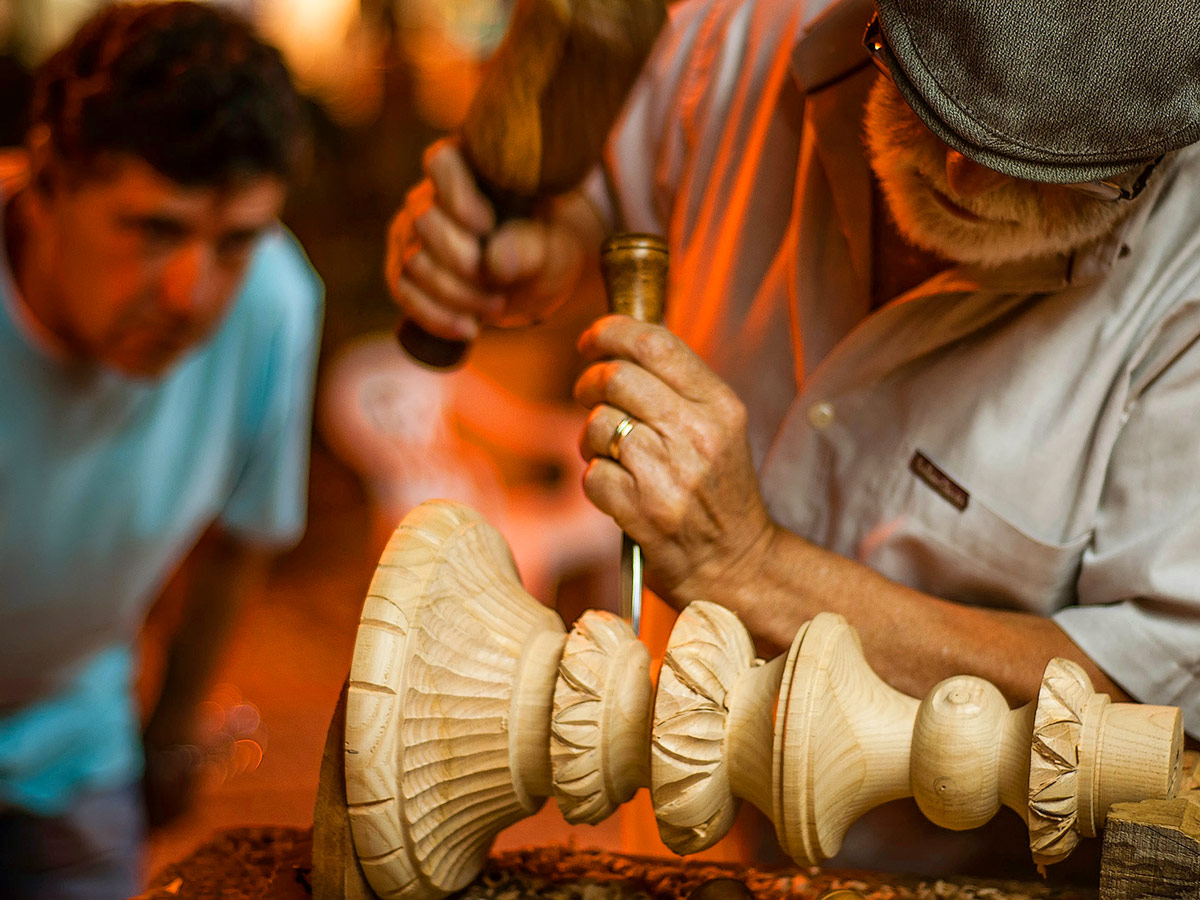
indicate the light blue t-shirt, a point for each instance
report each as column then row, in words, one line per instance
column 105, row 485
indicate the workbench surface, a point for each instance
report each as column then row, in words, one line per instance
column 275, row 864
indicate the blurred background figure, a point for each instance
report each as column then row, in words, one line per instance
column 158, row 339
column 381, row 79
column 445, row 42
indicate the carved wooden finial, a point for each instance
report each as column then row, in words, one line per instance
column 468, row 705
column 447, row 710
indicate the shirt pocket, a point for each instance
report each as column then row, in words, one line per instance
column 973, row 555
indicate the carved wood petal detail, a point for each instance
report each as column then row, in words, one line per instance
column 1054, row 761
column 693, row 801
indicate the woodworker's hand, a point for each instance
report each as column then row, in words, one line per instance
column 685, row 486
column 452, row 270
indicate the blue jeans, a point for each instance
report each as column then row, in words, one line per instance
column 91, row 852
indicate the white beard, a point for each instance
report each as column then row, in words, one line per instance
column 1016, row 220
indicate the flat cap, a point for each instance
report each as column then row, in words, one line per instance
column 1050, row 90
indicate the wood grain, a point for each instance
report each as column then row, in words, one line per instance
column 1152, row 847
column 468, row 705
column 600, row 726
column 447, row 725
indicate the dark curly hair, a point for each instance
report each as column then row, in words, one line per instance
column 188, row 88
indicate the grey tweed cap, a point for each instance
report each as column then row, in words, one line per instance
column 1050, row 90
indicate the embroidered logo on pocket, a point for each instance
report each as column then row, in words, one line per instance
column 947, row 488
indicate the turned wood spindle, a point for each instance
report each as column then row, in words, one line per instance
column 468, row 706
column 844, row 742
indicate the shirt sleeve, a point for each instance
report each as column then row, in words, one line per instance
column 284, row 298
column 645, row 155
column 1139, row 583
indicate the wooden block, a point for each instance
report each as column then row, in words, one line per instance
column 1152, row 848
column 336, row 873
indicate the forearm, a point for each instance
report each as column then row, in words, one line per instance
column 685, row 488
column 912, row 640
column 223, row 574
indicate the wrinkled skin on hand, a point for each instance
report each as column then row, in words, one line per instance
column 685, row 487
column 452, row 268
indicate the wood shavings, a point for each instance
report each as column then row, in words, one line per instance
column 274, row 864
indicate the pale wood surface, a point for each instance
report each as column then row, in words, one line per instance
column 957, row 746
column 464, row 713
column 447, row 718
column 708, row 651
column 850, row 742
column 600, row 726
column 842, row 740
column 1053, row 766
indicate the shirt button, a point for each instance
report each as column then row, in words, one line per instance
column 820, row 415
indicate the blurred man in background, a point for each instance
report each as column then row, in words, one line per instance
column 158, row 333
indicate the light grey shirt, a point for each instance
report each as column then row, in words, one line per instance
column 1024, row 438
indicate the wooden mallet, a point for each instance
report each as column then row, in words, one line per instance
column 547, row 101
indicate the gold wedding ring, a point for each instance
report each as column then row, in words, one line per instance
column 619, row 434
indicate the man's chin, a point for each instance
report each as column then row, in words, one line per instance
column 143, row 366
column 924, row 223
column 929, row 220
column 974, row 251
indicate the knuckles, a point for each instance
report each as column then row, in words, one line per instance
column 613, row 378
column 718, row 428
column 593, row 487
column 730, row 409
column 708, row 438
column 667, row 512
column 654, row 346
column 592, row 441
column 600, row 382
